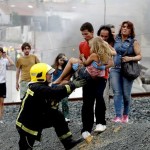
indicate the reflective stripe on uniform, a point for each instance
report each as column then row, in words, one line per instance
column 26, row 129
column 30, row 92
column 65, row 136
column 68, row 88
column 54, row 105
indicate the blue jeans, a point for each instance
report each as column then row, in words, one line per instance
column 64, row 103
column 122, row 92
column 65, row 107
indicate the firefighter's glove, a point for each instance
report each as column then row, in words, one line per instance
column 79, row 82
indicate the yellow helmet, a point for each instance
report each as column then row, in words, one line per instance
column 38, row 72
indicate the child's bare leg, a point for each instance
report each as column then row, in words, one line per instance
column 1, row 107
column 67, row 70
column 66, row 80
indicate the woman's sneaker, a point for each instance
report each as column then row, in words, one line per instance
column 117, row 119
column 100, row 128
column 125, row 119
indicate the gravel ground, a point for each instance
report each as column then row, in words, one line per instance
column 132, row 136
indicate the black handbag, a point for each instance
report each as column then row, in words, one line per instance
column 130, row 70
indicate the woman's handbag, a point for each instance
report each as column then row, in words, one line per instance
column 130, row 70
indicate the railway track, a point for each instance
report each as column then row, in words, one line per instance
column 134, row 95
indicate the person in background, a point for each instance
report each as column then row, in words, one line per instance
column 5, row 61
column 39, row 109
column 106, row 34
column 23, row 65
column 122, row 86
column 112, row 27
column 59, row 65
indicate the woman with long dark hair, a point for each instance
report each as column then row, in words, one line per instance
column 59, row 65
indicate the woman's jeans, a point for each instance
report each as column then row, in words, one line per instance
column 122, row 92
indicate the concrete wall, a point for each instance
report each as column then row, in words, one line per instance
column 12, row 93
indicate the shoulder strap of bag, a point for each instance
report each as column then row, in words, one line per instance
column 132, row 41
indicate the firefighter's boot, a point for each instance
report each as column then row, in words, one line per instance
column 69, row 143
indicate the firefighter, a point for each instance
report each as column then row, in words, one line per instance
column 39, row 109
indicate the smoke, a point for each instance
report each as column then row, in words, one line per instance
column 58, row 28
column 113, row 12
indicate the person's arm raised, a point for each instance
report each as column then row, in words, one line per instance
column 90, row 59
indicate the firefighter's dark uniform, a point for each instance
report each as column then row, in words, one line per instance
column 39, row 111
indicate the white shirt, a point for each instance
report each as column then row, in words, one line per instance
column 3, row 66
